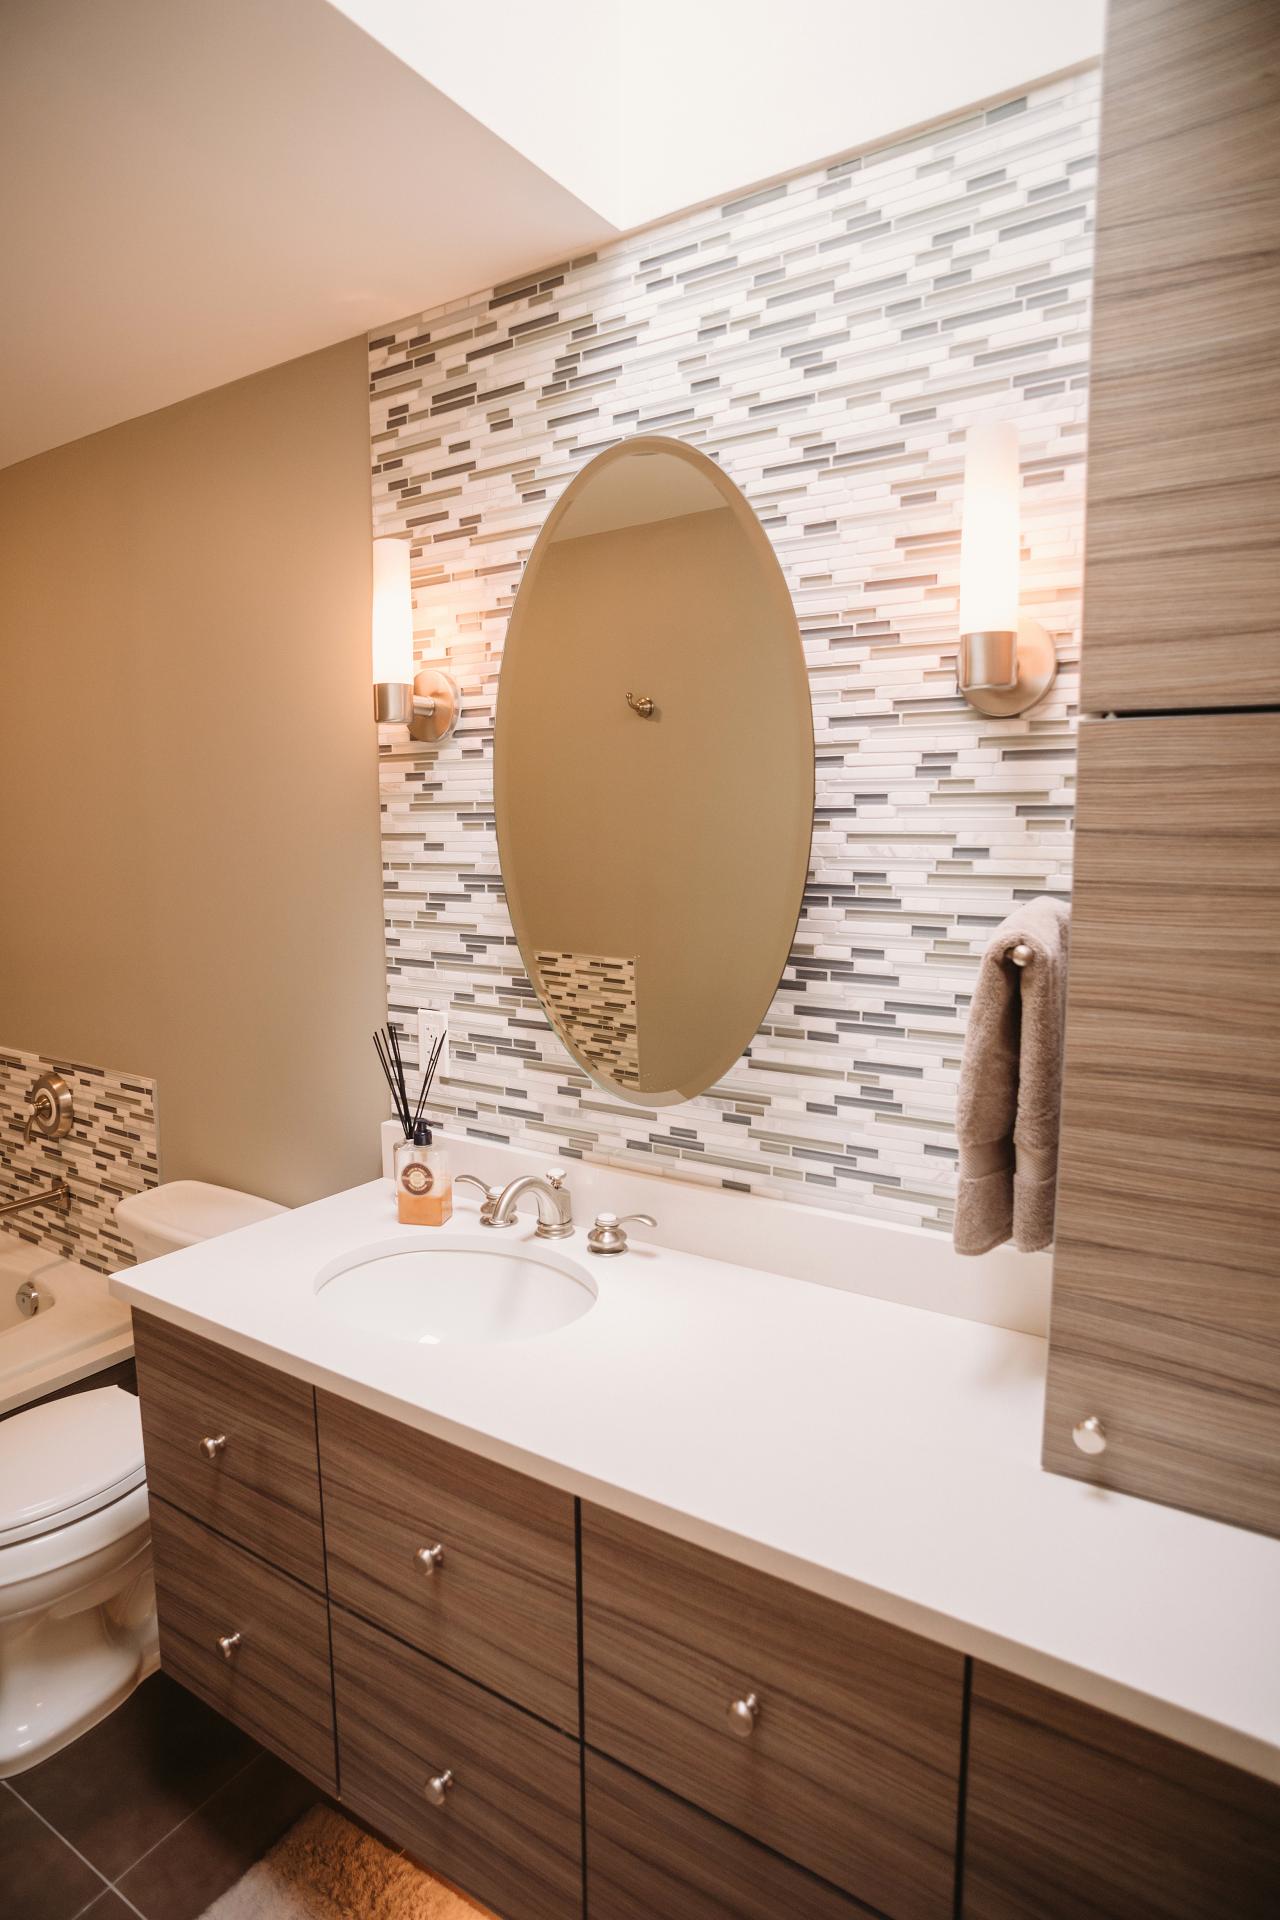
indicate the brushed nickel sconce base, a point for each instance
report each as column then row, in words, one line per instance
column 437, row 705
column 430, row 708
column 392, row 703
column 1034, row 666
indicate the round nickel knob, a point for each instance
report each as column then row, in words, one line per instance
column 227, row 1644
column 438, row 1786
column 1089, row 1436
column 742, row 1716
column 212, row 1444
column 430, row 1559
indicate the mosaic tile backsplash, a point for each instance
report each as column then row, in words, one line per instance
column 829, row 340
column 110, row 1151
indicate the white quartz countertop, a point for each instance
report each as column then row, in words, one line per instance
column 883, row 1454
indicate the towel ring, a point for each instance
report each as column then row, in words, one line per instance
column 1021, row 954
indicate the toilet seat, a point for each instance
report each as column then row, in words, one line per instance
column 66, row 1459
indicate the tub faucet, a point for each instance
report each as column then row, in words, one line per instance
column 555, row 1209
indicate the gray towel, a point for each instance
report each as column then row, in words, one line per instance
column 1011, row 1085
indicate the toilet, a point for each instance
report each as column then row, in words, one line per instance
column 77, row 1603
column 180, row 1212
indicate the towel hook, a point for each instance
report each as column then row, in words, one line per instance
column 1020, row 954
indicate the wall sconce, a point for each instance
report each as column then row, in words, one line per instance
column 1006, row 662
column 427, row 703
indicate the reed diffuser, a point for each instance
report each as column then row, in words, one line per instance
column 423, row 1180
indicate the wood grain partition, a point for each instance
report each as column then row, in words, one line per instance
column 1166, row 1308
column 1182, row 574
column 1166, row 1300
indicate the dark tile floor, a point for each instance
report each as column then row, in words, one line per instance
column 149, row 1816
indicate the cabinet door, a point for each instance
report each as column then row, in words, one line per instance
column 499, row 1601
column 1166, row 1292
column 829, row 1737
column 247, row 1639
column 480, row 1792
column 1071, row 1812
column 233, row 1443
column 649, row 1854
column 1182, row 580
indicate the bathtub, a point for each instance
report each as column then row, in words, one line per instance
column 77, row 1329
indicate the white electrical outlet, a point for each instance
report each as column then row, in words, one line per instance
column 433, row 1020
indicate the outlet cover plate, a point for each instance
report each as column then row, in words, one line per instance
column 433, row 1019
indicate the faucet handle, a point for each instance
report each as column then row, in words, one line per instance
column 609, row 1234
column 52, row 1110
column 489, row 1205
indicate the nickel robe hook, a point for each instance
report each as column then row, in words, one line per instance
column 643, row 706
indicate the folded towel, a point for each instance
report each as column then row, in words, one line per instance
column 1011, row 1085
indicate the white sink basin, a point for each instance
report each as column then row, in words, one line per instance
column 431, row 1290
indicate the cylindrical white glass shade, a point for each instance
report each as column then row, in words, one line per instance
column 392, row 613
column 989, row 539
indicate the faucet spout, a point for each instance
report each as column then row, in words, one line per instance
column 555, row 1209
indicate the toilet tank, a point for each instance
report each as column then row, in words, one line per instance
column 178, row 1213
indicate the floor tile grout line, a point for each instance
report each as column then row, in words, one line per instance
column 177, row 1826
column 123, row 1898
column 113, row 1886
column 106, row 1886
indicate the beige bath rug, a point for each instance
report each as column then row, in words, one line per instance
column 327, row 1869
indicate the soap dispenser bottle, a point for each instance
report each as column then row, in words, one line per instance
column 424, row 1183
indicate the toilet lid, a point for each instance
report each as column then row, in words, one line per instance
column 66, row 1459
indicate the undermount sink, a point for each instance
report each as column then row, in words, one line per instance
column 432, row 1291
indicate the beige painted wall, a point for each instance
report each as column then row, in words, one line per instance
column 189, row 864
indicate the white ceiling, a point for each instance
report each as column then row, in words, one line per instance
column 644, row 109
column 196, row 189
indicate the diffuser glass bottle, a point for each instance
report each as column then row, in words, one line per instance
column 424, row 1182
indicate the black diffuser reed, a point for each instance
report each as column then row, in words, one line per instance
column 387, row 1044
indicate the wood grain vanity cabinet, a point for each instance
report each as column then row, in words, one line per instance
column 832, row 1738
column 566, row 1705
column 1072, row 1814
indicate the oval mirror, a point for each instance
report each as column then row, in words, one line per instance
column 653, row 771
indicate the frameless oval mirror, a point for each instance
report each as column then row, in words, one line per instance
column 653, row 771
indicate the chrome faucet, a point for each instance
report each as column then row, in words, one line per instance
column 555, row 1209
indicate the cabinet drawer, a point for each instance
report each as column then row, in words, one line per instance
column 509, row 1827
column 276, row 1683
column 1072, row 1811
column 649, row 1854
column 501, row 1606
column 852, row 1764
column 261, row 1487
